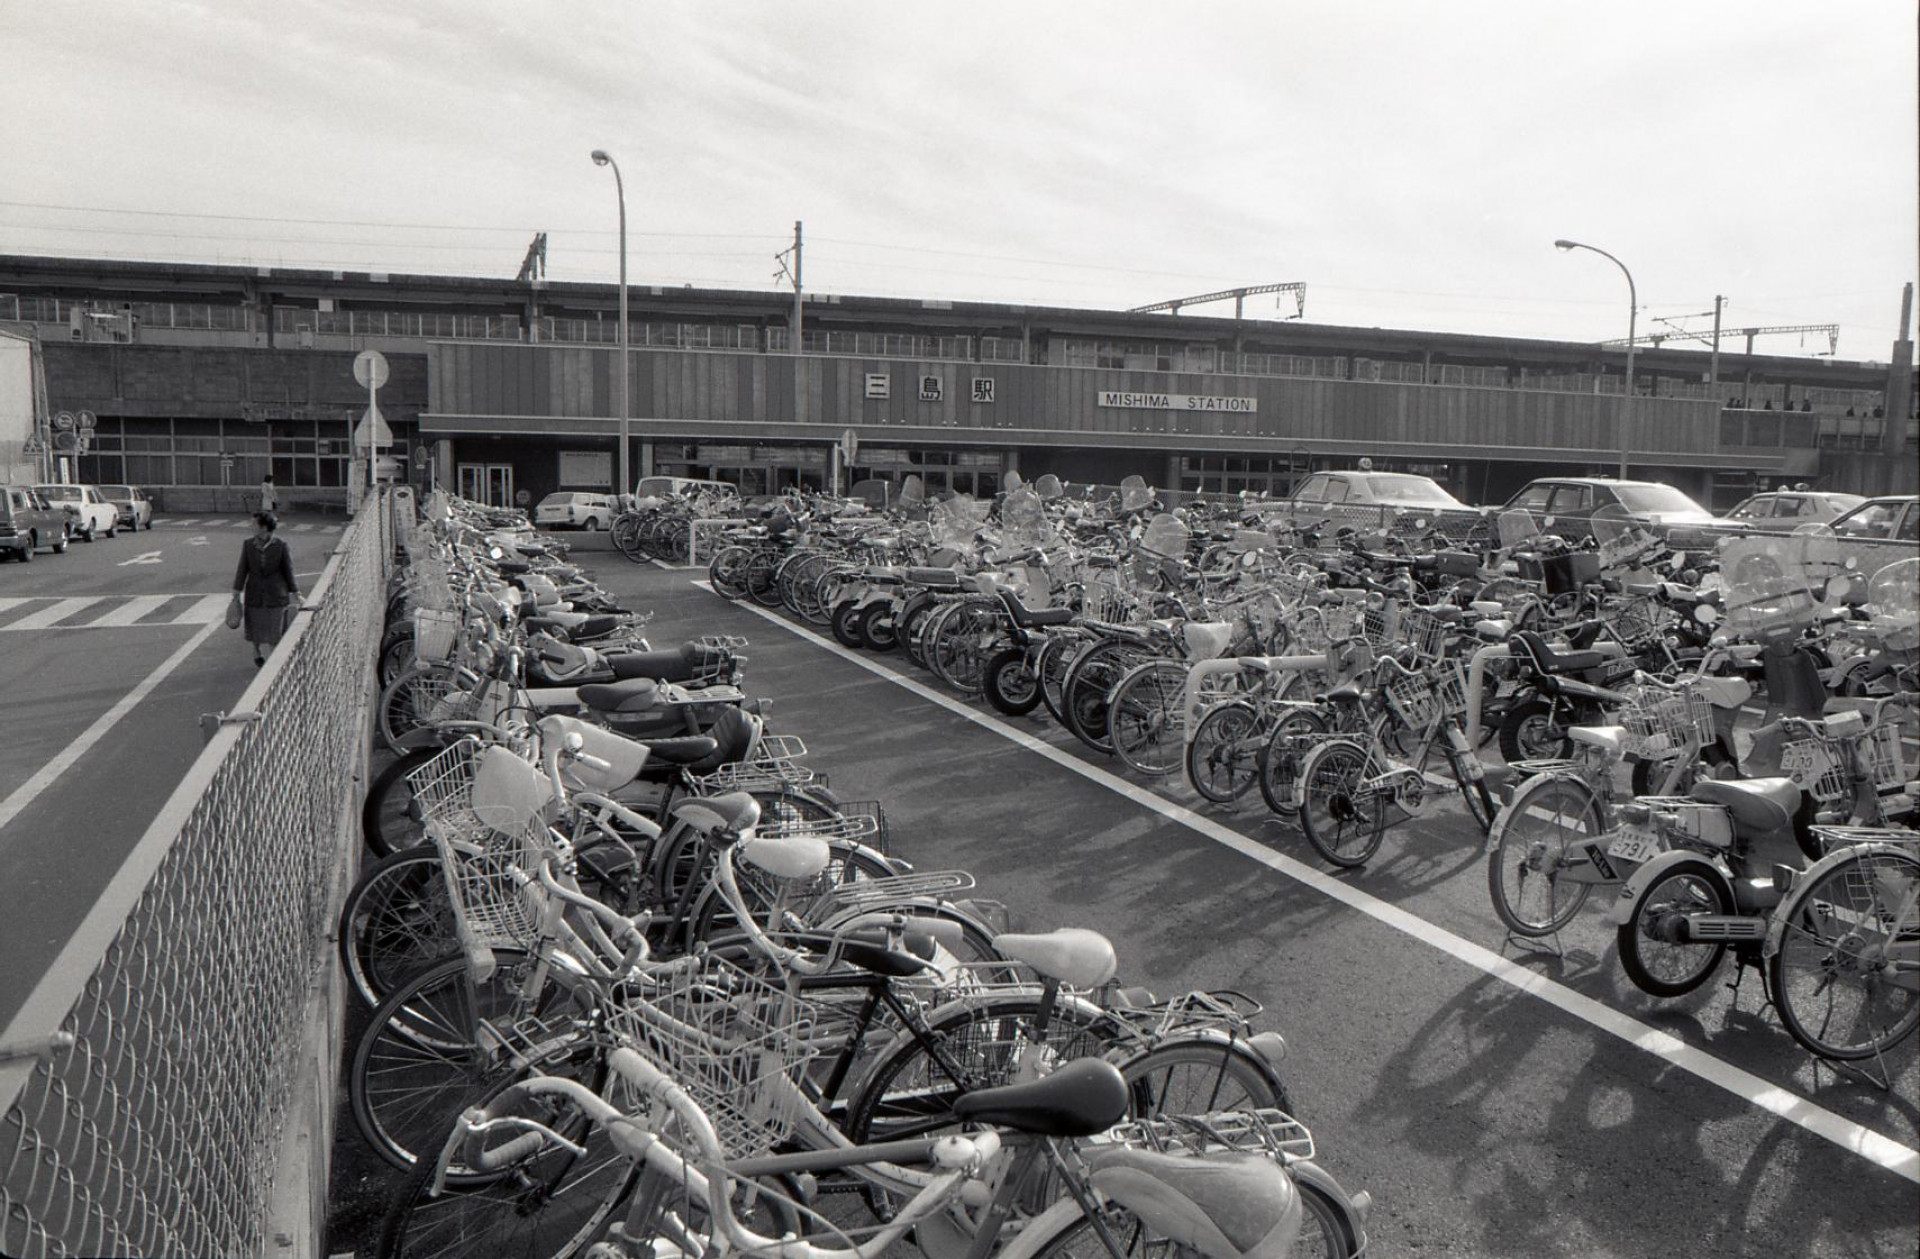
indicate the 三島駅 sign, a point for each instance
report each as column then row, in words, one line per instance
column 1176, row 401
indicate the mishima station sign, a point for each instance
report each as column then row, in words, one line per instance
column 1176, row 401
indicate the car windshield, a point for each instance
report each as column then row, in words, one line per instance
column 1660, row 498
column 1409, row 489
column 117, row 491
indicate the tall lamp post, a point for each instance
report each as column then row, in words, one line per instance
column 1633, row 307
column 625, row 485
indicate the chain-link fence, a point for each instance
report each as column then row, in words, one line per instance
column 186, row 993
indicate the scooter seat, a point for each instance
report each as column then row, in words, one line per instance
column 1085, row 1097
column 630, row 695
column 674, row 665
column 1549, row 660
column 1758, row 805
column 1072, row 955
column 1343, row 695
column 680, row 750
column 943, row 578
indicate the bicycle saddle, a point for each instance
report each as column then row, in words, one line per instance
column 630, row 695
column 1083, row 1098
column 1757, row 804
column 1226, row 1206
column 1072, row 955
column 1347, row 694
column 735, row 811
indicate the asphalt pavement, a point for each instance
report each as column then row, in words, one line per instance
column 109, row 654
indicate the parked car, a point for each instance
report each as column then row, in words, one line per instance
column 29, row 522
column 135, row 508
column 1376, row 489
column 93, row 515
column 1565, row 505
column 1895, row 516
column 571, row 509
column 666, row 486
column 1782, row 510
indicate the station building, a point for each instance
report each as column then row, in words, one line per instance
column 201, row 379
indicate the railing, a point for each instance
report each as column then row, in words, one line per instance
column 187, row 991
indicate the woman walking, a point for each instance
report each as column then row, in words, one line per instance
column 264, row 590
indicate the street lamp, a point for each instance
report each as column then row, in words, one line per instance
column 1633, row 304
column 602, row 158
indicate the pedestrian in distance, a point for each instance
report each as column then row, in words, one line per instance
column 265, row 593
column 269, row 497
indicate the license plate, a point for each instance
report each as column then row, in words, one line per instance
column 1634, row 847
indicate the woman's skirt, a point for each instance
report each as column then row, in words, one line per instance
column 264, row 626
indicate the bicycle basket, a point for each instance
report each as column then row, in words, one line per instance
column 434, row 633
column 1886, row 763
column 736, row 1042
column 1660, row 722
column 1425, row 697
column 1637, row 624
column 1381, row 626
column 1817, row 766
column 1425, row 633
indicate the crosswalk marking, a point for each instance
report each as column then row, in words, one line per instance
column 130, row 611
column 209, row 609
column 9, row 604
column 60, row 611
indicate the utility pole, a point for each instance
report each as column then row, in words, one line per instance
column 1893, row 426
column 1713, row 370
column 796, row 285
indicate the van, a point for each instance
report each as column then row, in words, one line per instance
column 667, row 486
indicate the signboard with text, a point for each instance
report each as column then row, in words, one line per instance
column 1176, row 401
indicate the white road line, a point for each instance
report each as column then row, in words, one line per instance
column 129, row 612
column 210, row 609
column 1881, row 1150
column 300, row 528
column 58, row 612
column 8, row 604
column 44, row 777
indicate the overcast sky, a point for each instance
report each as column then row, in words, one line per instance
column 1410, row 162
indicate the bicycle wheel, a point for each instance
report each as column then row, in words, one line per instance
column 412, row 700
column 396, row 657
column 1650, row 952
column 388, row 820
column 969, row 636
column 727, row 571
column 421, row 1057
column 1344, row 820
column 1196, row 1076
column 549, row 1206
column 1089, row 682
column 1223, row 757
column 1844, row 976
column 1278, row 767
column 1143, row 718
column 626, row 538
column 910, row 1091
column 1008, row 684
column 928, row 632
column 877, row 627
column 762, row 587
column 1056, row 660
column 1540, row 839
column 395, row 921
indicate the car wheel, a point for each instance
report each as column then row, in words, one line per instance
column 113, row 529
column 26, row 552
column 86, row 535
column 60, row 547
column 592, row 524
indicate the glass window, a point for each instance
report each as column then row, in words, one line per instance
column 1336, row 489
column 1533, row 498
column 1789, row 506
column 1570, row 498
column 1909, row 529
column 1871, row 522
column 1313, row 489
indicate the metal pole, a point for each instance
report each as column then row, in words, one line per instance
column 625, row 486
column 1633, row 310
column 796, row 286
column 1713, row 367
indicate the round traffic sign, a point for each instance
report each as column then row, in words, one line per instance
column 370, row 368
column 87, row 420
column 63, row 421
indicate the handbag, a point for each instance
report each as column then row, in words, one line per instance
column 233, row 613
